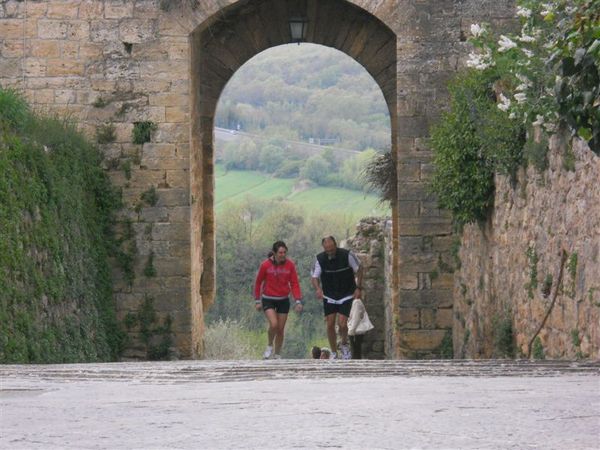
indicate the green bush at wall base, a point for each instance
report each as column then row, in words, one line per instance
column 56, row 235
column 473, row 141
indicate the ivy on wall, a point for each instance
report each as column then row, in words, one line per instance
column 57, row 210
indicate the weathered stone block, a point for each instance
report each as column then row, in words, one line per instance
column 10, row 68
column 78, row 30
column 168, row 99
column 91, row 9
column 422, row 340
column 52, row 29
column 172, row 132
column 165, row 164
column 429, row 209
column 69, row 50
column 135, row 31
column 153, row 50
column 35, row 10
column 179, row 214
column 177, row 114
column 44, row 48
column 432, row 298
column 169, row 266
column 177, row 179
column 63, row 9
column 164, row 70
column 64, row 67
column 104, row 30
column 443, row 281
column 171, row 232
column 11, row 28
column 65, row 96
column 118, row 9
column 44, row 96
column 11, row 48
column 444, row 318
column 408, row 318
column 35, row 67
column 427, row 318
column 408, row 280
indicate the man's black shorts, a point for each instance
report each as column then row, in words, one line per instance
column 280, row 306
column 344, row 308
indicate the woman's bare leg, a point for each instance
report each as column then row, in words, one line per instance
column 281, row 320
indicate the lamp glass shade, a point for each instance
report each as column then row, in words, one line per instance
column 298, row 29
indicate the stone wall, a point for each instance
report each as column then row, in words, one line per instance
column 510, row 266
column 425, row 328
column 372, row 244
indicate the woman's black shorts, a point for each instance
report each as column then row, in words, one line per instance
column 280, row 306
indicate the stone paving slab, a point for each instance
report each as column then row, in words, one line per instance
column 301, row 404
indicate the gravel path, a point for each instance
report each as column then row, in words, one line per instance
column 301, row 404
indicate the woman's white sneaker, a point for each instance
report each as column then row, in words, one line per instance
column 268, row 352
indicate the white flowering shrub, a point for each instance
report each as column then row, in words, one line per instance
column 549, row 73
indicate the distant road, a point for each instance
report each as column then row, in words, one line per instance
column 303, row 148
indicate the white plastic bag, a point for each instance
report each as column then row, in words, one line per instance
column 358, row 321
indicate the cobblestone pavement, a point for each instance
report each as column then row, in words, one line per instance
column 301, row 404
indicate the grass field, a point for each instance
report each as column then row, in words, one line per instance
column 235, row 185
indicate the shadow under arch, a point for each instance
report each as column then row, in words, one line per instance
column 219, row 47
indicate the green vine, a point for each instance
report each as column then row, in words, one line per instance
column 142, row 132
column 149, row 269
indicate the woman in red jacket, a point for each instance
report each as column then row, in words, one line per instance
column 275, row 279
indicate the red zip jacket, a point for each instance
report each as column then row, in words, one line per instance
column 274, row 282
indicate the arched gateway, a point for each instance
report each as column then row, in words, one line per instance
column 126, row 62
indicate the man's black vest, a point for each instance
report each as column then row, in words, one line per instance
column 337, row 276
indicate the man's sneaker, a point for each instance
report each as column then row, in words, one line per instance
column 268, row 352
column 333, row 355
column 276, row 356
column 345, row 348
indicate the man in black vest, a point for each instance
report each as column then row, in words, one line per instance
column 337, row 277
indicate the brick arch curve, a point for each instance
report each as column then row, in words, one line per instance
column 219, row 47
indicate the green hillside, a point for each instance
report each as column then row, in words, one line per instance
column 235, row 185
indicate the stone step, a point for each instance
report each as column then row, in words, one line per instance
column 222, row 371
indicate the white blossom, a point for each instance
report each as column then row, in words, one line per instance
column 520, row 97
column 477, row 30
column 528, row 53
column 504, row 103
column 548, row 8
column 512, row 116
column 505, row 44
column 480, row 61
column 524, row 80
column 539, row 120
column 526, row 38
column 523, row 12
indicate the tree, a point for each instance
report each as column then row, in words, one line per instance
column 271, row 158
column 316, row 169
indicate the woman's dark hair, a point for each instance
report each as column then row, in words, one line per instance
column 277, row 245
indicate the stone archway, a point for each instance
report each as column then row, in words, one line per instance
column 124, row 62
column 222, row 45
